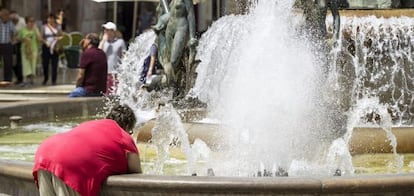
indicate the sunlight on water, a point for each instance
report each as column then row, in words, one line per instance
column 375, row 60
column 21, row 145
column 264, row 82
column 258, row 77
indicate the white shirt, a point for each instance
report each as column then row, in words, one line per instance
column 113, row 50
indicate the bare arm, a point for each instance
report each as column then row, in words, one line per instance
column 134, row 163
column 103, row 40
column 80, row 77
column 151, row 66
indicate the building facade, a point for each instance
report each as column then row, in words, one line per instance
column 87, row 15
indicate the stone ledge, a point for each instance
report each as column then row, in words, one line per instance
column 48, row 109
column 16, row 179
column 386, row 13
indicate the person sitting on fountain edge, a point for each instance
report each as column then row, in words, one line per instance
column 92, row 75
column 151, row 67
column 77, row 162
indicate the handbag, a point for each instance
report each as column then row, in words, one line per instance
column 57, row 46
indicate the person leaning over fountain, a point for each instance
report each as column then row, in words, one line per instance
column 92, row 75
column 77, row 162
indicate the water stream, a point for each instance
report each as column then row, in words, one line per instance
column 264, row 81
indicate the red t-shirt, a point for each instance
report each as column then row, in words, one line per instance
column 85, row 156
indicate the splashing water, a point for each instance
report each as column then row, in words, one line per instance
column 268, row 89
column 375, row 61
column 265, row 82
column 373, row 72
column 261, row 80
column 373, row 108
column 128, row 73
column 168, row 130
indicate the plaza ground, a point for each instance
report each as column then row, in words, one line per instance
column 15, row 94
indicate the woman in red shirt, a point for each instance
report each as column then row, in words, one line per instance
column 77, row 162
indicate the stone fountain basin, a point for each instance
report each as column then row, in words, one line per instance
column 16, row 176
column 16, row 179
column 364, row 139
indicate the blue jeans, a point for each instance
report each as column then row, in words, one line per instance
column 78, row 92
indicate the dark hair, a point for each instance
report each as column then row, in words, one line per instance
column 51, row 16
column 94, row 39
column 124, row 116
column 28, row 19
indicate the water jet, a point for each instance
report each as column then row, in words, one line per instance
column 274, row 105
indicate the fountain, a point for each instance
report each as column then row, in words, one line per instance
column 228, row 78
column 277, row 109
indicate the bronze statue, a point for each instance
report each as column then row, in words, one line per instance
column 180, row 32
column 162, row 20
column 177, row 41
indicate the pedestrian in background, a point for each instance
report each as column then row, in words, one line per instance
column 114, row 47
column 7, row 37
column 50, row 36
column 30, row 39
column 19, row 24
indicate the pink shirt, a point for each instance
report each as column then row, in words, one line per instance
column 85, row 156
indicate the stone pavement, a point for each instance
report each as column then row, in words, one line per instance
column 8, row 94
column 15, row 94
